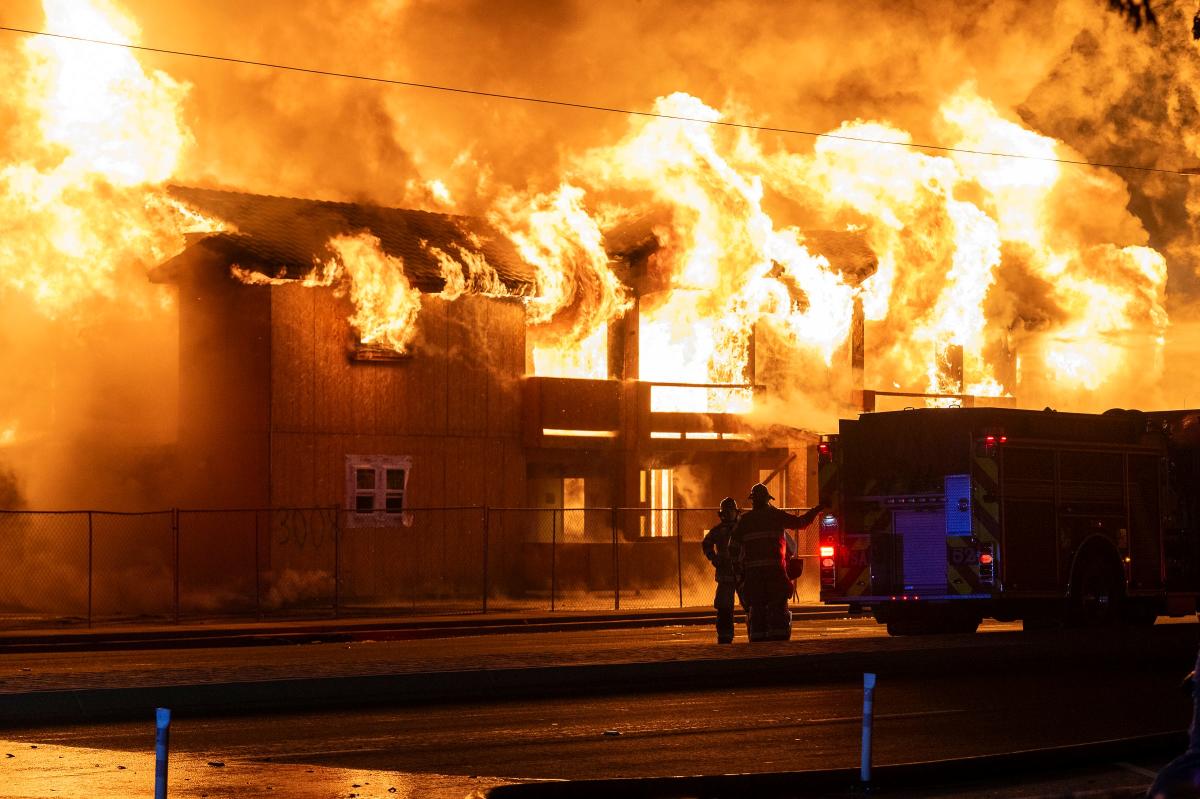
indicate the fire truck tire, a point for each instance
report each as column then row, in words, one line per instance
column 897, row 627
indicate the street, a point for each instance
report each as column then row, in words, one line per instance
column 451, row 750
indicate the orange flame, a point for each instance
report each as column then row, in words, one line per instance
column 96, row 134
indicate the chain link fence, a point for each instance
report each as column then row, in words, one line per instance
column 69, row 568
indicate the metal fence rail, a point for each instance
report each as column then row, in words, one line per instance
column 86, row 567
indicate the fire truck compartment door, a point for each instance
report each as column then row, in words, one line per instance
column 921, row 537
column 958, row 504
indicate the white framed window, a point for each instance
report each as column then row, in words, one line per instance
column 375, row 490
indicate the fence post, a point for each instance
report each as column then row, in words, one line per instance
column 337, row 563
column 679, row 553
column 257, row 569
column 487, row 518
column 90, row 568
column 175, row 532
column 553, row 556
column 616, row 564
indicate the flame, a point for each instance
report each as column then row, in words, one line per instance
column 974, row 253
column 385, row 303
column 577, row 293
column 959, row 239
column 943, row 228
column 727, row 265
column 96, row 134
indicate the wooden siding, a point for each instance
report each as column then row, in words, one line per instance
column 452, row 404
column 224, row 388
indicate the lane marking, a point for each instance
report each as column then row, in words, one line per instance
column 1145, row 772
column 322, row 753
column 914, row 714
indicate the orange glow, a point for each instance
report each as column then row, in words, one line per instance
column 983, row 282
column 79, row 195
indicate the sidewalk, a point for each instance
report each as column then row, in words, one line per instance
column 237, row 632
column 73, row 686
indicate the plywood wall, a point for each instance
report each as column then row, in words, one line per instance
column 452, row 404
column 224, row 391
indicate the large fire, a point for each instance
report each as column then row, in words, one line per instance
column 978, row 252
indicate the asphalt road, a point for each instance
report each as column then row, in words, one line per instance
column 451, row 751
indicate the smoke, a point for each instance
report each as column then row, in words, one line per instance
column 86, row 342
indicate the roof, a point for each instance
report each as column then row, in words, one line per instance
column 286, row 236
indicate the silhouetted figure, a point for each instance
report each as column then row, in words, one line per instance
column 1180, row 779
column 759, row 541
column 716, row 549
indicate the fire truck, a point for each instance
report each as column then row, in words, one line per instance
column 940, row 517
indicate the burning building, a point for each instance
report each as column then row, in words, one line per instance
column 285, row 401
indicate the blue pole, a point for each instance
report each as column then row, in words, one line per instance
column 868, row 720
column 161, row 745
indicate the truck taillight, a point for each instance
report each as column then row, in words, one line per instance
column 992, row 441
column 987, row 564
column 828, row 553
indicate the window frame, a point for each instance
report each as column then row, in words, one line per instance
column 379, row 491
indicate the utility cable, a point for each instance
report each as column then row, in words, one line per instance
column 591, row 107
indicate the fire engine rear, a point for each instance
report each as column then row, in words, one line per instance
column 940, row 517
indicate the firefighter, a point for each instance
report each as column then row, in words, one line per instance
column 716, row 549
column 1181, row 777
column 759, row 541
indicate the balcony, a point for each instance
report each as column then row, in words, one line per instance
column 635, row 414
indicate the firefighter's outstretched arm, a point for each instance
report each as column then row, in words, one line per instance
column 794, row 522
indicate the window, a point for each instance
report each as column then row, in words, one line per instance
column 658, row 494
column 375, row 486
column 574, row 500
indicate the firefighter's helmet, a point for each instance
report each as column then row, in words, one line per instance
column 729, row 508
column 759, row 493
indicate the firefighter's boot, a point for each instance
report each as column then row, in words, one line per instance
column 724, row 625
column 779, row 623
column 756, row 623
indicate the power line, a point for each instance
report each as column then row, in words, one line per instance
column 591, row 107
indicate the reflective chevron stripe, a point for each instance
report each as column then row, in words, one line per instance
column 985, row 499
column 985, row 517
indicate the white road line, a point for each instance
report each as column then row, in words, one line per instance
column 1145, row 772
column 322, row 753
column 913, row 715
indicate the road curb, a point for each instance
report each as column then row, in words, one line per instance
column 777, row 663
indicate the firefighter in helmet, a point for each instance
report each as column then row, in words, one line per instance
column 716, row 549
column 760, row 540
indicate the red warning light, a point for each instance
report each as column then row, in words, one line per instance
column 985, row 558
